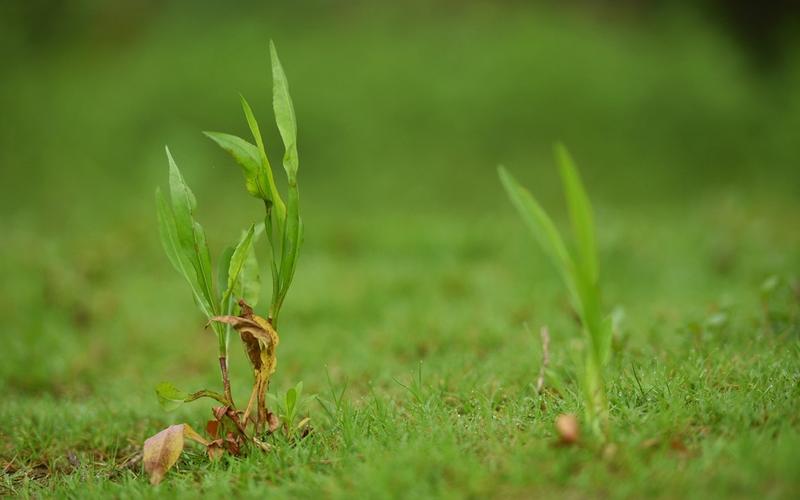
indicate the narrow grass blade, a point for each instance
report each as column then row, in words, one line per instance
column 541, row 226
column 580, row 213
column 582, row 221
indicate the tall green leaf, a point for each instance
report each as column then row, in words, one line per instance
column 249, row 158
column 582, row 222
column 284, row 114
column 266, row 169
column 579, row 274
column 580, row 213
column 190, row 235
column 169, row 240
column 542, row 228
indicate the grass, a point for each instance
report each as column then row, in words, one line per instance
column 417, row 282
column 437, row 372
column 580, row 274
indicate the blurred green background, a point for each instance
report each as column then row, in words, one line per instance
column 683, row 117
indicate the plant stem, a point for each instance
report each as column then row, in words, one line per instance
column 596, row 398
column 226, row 381
column 206, row 394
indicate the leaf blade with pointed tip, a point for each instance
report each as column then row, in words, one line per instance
column 284, row 113
column 190, row 235
column 542, row 227
column 175, row 254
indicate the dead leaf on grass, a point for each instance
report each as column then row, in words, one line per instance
column 161, row 451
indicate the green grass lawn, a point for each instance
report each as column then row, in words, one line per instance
column 418, row 348
column 419, row 293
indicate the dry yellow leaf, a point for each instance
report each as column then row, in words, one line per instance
column 260, row 341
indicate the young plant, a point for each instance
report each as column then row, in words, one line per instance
column 290, row 408
column 237, row 286
column 579, row 272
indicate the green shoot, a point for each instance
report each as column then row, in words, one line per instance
column 284, row 227
column 237, row 286
column 578, row 270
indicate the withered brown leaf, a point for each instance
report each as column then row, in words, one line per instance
column 212, row 428
column 261, row 341
column 162, row 450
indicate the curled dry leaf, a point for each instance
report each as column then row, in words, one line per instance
column 260, row 340
column 162, row 450
column 568, row 428
column 233, row 443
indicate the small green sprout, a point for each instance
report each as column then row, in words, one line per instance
column 237, row 286
column 291, row 408
column 579, row 272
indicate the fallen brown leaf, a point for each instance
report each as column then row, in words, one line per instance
column 161, row 451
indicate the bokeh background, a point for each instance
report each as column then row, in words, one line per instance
column 683, row 117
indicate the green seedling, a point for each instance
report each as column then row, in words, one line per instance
column 578, row 270
column 290, row 407
column 228, row 301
